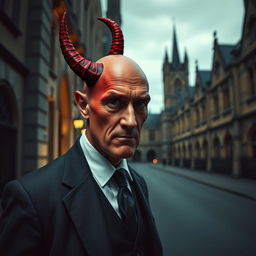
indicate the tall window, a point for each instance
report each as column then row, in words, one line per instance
column 215, row 104
column 197, row 115
column 151, row 135
column 177, row 86
column 217, row 69
column 252, row 80
column 226, row 99
column 203, row 112
column 216, row 148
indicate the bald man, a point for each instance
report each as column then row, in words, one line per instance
column 89, row 201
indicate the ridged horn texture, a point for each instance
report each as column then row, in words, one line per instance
column 117, row 46
column 89, row 71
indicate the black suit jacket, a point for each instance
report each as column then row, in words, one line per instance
column 55, row 211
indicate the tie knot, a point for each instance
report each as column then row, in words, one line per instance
column 121, row 178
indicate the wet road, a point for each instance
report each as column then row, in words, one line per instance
column 197, row 220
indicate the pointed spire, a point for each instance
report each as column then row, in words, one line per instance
column 175, row 51
column 196, row 64
column 186, row 56
column 215, row 39
column 166, row 58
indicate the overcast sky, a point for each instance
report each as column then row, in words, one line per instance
column 148, row 28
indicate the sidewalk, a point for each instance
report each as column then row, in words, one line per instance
column 240, row 186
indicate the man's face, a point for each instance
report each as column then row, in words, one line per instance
column 117, row 108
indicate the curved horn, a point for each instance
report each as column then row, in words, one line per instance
column 89, row 71
column 117, row 46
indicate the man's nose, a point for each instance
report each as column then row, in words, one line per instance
column 128, row 118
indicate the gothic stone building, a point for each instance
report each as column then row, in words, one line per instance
column 212, row 125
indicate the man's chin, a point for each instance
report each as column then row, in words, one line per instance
column 124, row 152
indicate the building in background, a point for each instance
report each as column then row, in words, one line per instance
column 212, row 125
column 114, row 13
column 36, row 85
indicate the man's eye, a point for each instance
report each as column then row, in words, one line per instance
column 141, row 104
column 114, row 103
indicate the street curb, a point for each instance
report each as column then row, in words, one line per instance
column 210, row 184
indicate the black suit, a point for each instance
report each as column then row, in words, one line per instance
column 55, row 211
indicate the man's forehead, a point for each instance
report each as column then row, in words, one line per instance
column 124, row 89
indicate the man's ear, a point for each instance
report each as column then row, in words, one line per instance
column 81, row 100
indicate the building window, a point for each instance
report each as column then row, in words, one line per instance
column 151, row 135
column 226, row 99
column 203, row 112
column 228, row 149
column 177, row 86
column 216, row 148
column 197, row 116
column 252, row 81
column 217, row 69
column 215, row 104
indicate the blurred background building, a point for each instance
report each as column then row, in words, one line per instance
column 37, row 110
column 212, row 125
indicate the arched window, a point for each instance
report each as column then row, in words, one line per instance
column 197, row 150
column 203, row 112
column 217, row 69
column 205, row 149
column 228, row 146
column 216, row 148
column 226, row 99
column 177, row 86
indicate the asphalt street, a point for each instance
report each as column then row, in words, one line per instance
column 194, row 219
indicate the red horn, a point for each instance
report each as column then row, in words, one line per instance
column 89, row 71
column 117, row 46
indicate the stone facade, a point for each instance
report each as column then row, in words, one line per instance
column 36, row 85
column 212, row 125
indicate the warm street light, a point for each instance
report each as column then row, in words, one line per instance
column 78, row 123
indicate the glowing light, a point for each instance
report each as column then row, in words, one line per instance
column 155, row 161
column 78, row 123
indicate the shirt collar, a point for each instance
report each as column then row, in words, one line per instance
column 102, row 169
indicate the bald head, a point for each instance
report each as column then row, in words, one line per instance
column 121, row 69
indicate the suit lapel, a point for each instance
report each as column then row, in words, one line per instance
column 83, row 205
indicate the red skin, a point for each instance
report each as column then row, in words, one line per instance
column 115, row 108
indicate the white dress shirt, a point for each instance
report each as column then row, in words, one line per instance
column 102, row 171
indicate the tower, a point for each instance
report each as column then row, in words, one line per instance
column 113, row 13
column 175, row 80
column 175, row 76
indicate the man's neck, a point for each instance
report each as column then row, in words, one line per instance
column 114, row 161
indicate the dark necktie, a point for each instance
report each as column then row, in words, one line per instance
column 126, row 202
